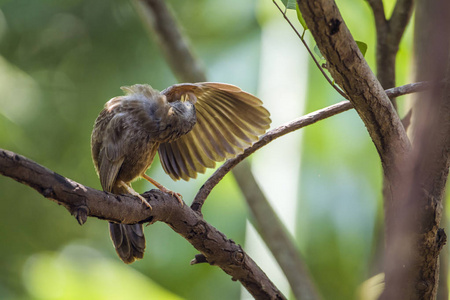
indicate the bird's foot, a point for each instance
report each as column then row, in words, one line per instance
column 163, row 188
column 144, row 201
column 134, row 193
column 175, row 194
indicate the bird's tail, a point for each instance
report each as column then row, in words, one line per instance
column 129, row 241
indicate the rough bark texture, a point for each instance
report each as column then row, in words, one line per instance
column 415, row 215
column 389, row 35
column 82, row 202
column 348, row 67
column 415, row 176
column 414, row 237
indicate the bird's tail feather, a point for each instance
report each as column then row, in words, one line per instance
column 129, row 241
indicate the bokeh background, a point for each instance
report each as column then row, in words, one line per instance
column 61, row 60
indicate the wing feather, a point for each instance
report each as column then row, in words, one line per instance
column 228, row 121
column 108, row 150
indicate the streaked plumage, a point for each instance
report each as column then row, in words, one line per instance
column 192, row 126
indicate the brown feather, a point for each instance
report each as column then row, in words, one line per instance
column 228, row 121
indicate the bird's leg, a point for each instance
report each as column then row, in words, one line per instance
column 134, row 193
column 163, row 188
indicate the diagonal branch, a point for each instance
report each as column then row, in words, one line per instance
column 296, row 124
column 378, row 12
column 158, row 19
column 82, row 202
column 399, row 20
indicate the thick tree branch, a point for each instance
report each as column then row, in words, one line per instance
column 353, row 74
column 415, row 176
column 389, row 34
column 414, row 239
column 293, row 125
column 82, row 201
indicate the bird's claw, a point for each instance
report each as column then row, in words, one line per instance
column 175, row 194
column 178, row 196
column 144, row 201
column 163, row 188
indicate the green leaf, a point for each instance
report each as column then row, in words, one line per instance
column 300, row 17
column 289, row 4
column 362, row 47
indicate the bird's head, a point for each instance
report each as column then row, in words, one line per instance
column 140, row 89
column 141, row 92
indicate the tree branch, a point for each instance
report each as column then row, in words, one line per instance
column 389, row 34
column 399, row 20
column 378, row 12
column 82, row 202
column 293, row 125
column 157, row 17
column 353, row 74
column 413, row 237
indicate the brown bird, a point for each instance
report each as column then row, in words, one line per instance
column 192, row 126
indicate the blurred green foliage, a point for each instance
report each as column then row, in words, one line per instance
column 60, row 61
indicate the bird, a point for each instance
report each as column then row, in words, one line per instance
column 191, row 126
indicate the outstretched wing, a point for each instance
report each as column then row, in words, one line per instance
column 228, row 121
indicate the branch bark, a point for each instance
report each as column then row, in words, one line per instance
column 415, row 239
column 415, row 176
column 82, row 202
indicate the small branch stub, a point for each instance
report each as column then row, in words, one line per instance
column 81, row 214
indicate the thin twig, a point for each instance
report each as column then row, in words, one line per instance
column 310, row 52
column 296, row 124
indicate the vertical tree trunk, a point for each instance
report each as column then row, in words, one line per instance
column 414, row 237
